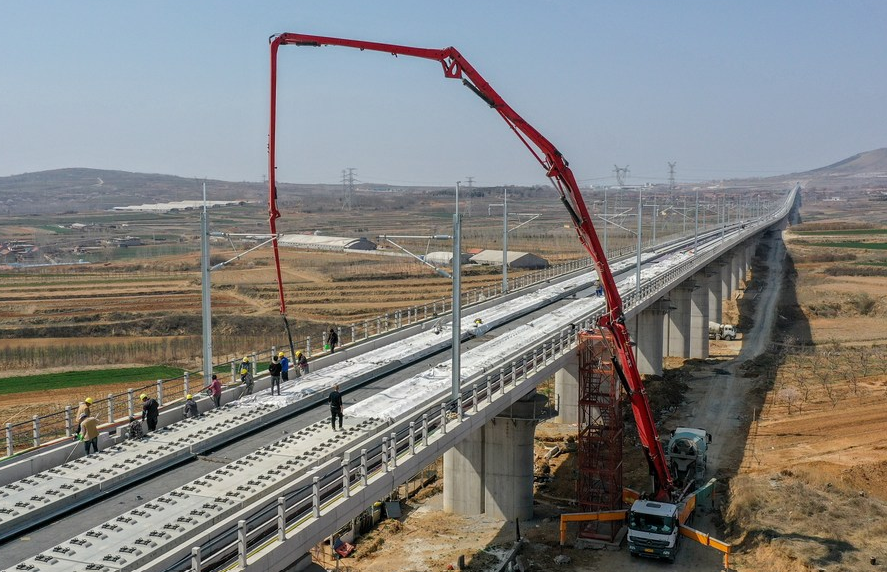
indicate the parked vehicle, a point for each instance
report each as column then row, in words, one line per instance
column 718, row 331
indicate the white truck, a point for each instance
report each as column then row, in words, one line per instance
column 718, row 331
column 653, row 526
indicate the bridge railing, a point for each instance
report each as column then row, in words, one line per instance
column 116, row 408
column 285, row 515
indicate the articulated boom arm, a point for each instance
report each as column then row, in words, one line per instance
column 556, row 168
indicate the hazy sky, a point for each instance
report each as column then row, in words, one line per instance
column 725, row 89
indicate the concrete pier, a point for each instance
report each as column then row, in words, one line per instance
column 491, row 471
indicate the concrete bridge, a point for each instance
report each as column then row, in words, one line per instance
column 267, row 508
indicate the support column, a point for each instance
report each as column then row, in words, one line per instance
column 566, row 390
column 491, row 470
column 463, row 491
column 509, row 458
column 699, row 316
column 648, row 331
column 726, row 290
column 734, row 273
column 677, row 336
column 715, row 302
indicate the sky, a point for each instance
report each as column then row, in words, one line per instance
column 723, row 89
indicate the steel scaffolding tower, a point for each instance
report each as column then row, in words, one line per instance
column 600, row 434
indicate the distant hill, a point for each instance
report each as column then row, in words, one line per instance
column 868, row 164
column 866, row 170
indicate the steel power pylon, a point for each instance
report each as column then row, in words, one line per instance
column 621, row 175
column 348, row 188
column 671, row 167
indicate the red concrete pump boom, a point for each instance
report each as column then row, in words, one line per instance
column 556, row 168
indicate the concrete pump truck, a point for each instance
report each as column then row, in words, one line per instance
column 664, row 505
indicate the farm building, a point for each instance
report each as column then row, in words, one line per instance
column 317, row 242
column 445, row 258
column 515, row 259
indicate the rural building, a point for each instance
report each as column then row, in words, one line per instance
column 524, row 260
column 444, row 258
column 317, row 242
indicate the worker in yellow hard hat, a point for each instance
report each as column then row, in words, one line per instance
column 83, row 411
column 190, row 407
column 246, row 379
column 302, row 363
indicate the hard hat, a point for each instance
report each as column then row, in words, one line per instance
column 188, row 396
column 243, row 371
column 88, row 400
column 143, row 397
column 281, row 354
column 246, row 360
column 298, row 353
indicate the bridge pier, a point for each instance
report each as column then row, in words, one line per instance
column 647, row 330
column 676, row 341
column 491, row 471
column 726, row 283
column 566, row 389
column 715, row 301
column 699, row 317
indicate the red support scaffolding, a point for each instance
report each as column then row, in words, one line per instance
column 600, row 434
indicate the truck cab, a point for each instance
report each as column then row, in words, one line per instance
column 653, row 529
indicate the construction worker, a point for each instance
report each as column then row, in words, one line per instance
column 82, row 413
column 135, row 428
column 335, row 400
column 215, row 390
column 274, row 369
column 90, row 434
column 301, row 362
column 150, row 411
column 246, row 379
column 332, row 340
column 284, row 367
column 190, row 407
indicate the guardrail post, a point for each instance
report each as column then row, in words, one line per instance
column 387, row 322
column 385, row 454
column 346, row 476
column 9, row 447
column 315, row 497
column 353, row 333
column 489, row 388
column 69, row 430
column 195, row 559
column 110, row 408
column 393, row 450
column 425, row 312
column 502, row 379
column 425, row 429
column 36, row 431
column 187, row 377
column 255, row 366
column 130, row 401
column 308, row 346
column 160, row 392
column 474, row 396
column 281, row 519
column 364, row 473
column 366, row 329
column 398, row 319
column 443, row 418
column 241, row 543
column 412, row 437
column 459, row 405
column 378, row 326
column 233, row 371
